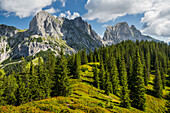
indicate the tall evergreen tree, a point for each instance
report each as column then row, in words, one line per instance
column 108, row 84
column 102, row 76
column 62, row 85
column 84, row 59
column 157, row 81
column 77, row 66
column 138, row 88
column 96, row 78
column 114, row 76
column 90, row 56
column 11, row 89
column 125, row 100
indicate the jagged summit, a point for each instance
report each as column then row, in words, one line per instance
column 47, row 32
column 122, row 31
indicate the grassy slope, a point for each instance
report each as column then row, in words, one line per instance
column 88, row 99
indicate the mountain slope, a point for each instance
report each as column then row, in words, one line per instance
column 47, row 32
column 122, row 31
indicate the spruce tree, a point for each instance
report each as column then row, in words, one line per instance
column 41, row 79
column 137, row 93
column 96, row 78
column 157, row 81
column 34, row 86
column 102, row 76
column 11, row 89
column 77, row 66
column 125, row 100
column 84, row 59
column 114, row 76
column 90, row 56
column 62, row 85
column 108, row 84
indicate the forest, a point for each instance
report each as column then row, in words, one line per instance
column 124, row 70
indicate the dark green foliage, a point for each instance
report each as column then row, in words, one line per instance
column 62, row 85
column 11, row 89
column 96, row 78
column 125, row 99
column 77, row 66
column 108, row 84
column 137, row 93
column 84, row 59
column 102, row 76
column 168, row 103
column 114, row 76
column 90, row 56
column 157, row 80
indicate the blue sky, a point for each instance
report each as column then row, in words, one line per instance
column 151, row 17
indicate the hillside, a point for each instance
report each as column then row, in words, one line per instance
column 86, row 98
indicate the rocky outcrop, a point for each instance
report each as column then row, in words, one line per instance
column 48, row 32
column 122, row 31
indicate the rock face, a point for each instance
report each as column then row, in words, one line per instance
column 122, row 31
column 47, row 32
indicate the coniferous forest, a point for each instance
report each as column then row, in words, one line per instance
column 126, row 77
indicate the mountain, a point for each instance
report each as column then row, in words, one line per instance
column 47, row 32
column 122, row 31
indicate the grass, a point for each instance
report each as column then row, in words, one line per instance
column 86, row 98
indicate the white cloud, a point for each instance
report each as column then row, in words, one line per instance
column 106, row 10
column 62, row 15
column 52, row 10
column 157, row 19
column 156, row 13
column 68, row 15
column 63, row 3
column 24, row 8
column 105, row 25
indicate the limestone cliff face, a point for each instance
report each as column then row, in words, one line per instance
column 122, row 31
column 47, row 32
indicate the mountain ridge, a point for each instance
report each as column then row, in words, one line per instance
column 49, row 32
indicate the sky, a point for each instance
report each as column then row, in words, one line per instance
column 151, row 17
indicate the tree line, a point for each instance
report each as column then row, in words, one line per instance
column 124, row 71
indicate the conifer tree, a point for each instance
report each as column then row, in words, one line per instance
column 96, row 78
column 77, row 66
column 90, row 56
column 137, row 93
column 84, row 59
column 23, row 66
column 34, row 86
column 130, row 72
column 114, row 76
column 11, row 89
column 102, row 76
column 157, row 81
column 125, row 100
column 163, row 78
column 62, row 85
column 40, row 79
column 108, row 84
column 20, row 90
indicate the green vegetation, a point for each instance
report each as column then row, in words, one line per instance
column 116, row 78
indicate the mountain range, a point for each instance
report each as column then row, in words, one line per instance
column 49, row 32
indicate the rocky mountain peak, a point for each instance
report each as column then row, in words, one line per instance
column 44, row 24
column 122, row 31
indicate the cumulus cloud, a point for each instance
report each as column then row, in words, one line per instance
column 106, row 10
column 156, row 18
column 63, row 3
column 24, row 8
column 52, row 10
column 68, row 15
